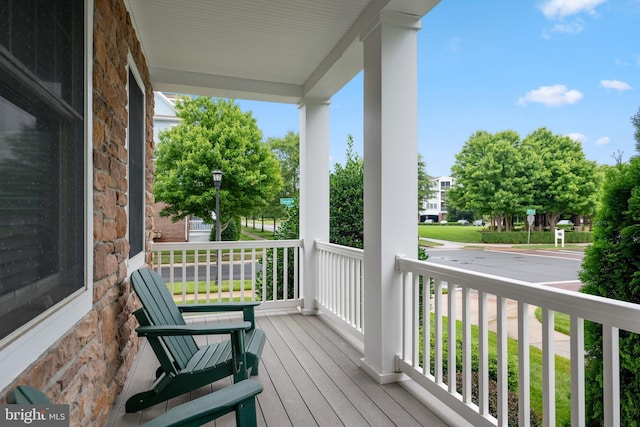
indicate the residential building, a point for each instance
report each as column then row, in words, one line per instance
column 435, row 208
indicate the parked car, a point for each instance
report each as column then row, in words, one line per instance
column 565, row 222
column 463, row 222
column 443, row 222
column 478, row 223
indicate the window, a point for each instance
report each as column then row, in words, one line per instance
column 42, row 157
column 445, row 185
column 136, row 167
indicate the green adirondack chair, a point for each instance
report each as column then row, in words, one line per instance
column 239, row 397
column 184, row 366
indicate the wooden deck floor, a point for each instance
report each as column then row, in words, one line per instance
column 310, row 377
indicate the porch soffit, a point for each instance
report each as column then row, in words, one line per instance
column 270, row 50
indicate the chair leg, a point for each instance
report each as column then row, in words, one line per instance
column 246, row 413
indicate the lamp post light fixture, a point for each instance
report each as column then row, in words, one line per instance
column 217, row 180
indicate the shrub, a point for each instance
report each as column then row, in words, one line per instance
column 229, row 234
column 611, row 268
column 537, row 237
column 288, row 230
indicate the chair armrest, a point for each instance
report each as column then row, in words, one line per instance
column 176, row 330
column 210, row 406
column 247, row 309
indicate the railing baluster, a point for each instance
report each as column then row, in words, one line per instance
column 253, row 274
column 196, row 281
column 548, row 368
column 295, row 273
column 611, row 372
column 285, row 274
column 208, row 274
column 451, row 323
column 483, row 354
column 466, row 345
column 242, row 265
column 503, row 371
column 524, row 401
column 577, row 372
column 437, row 335
column 275, row 274
column 426, row 325
column 415, row 321
column 184, row 276
column 219, row 273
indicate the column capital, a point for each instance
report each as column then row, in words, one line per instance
column 394, row 19
column 314, row 101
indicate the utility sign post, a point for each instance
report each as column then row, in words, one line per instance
column 530, row 218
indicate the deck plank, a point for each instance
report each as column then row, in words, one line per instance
column 311, row 377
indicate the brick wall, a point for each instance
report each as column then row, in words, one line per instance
column 88, row 366
column 169, row 231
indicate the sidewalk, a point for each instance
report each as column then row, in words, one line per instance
column 561, row 341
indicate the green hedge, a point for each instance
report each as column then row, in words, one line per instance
column 520, row 237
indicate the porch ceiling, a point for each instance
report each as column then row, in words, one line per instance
column 272, row 50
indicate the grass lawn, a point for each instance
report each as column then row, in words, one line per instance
column 562, row 321
column 562, row 366
column 453, row 233
column 202, row 287
column 267, row 234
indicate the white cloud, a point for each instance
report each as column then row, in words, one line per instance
column 572, row 28
column 603, row 141
column 554, row 95
column 615, row 84
column 556, row 9
column 578, row 137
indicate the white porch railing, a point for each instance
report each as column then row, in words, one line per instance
column 197, row 224
column 340, row 286
column 255, row 268
column 611, row 314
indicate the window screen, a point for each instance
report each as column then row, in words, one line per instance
column 41, row 157
column 136, row 167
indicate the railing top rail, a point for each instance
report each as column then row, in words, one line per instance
column 248, row 244
column 620, row 314
column 340, row 250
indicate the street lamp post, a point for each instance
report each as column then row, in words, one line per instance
column 217, row 180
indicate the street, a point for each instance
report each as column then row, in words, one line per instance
column 535, row 266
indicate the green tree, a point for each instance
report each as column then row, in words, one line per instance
column 635, row 121
column 565, row 181
column 426, row 188
column 611, row 268
column 214, row 134
column 346, row 200
column 491, row 177
column 287, row 151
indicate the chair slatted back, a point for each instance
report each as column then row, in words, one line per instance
column 161, row 310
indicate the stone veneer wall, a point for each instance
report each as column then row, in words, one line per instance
column 88, row 366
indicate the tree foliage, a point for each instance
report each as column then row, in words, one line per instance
column 287, row 151
column 565, row 181
column 611, row 268
column 346, row 200
column 214, row 134
column 491, row 176
column 500, row 176
column 635, row 121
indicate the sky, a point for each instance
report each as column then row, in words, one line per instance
column 572, row 66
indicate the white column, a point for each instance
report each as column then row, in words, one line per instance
column 390, row 182
column 314, row 190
